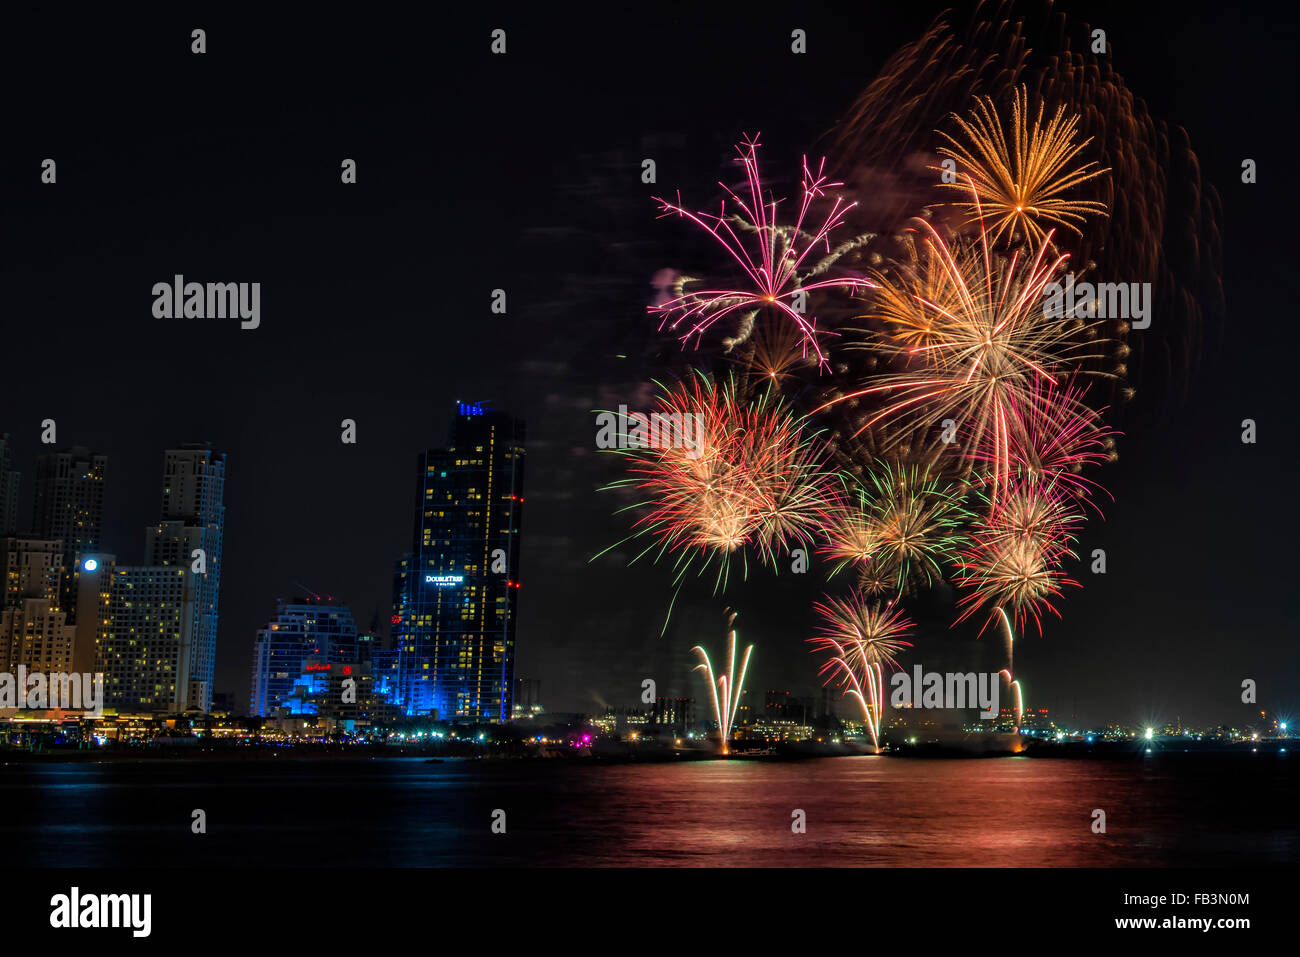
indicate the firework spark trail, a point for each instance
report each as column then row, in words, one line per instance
column 862, row 640
column 901, row 526
column 756, row 477
column 1162, row 212
column 1025, row 180
column 987, row 350
column 1014, row 559
column 1014, row 685
column 1011, row 640
column 778, row 271
column 725, row 689
column 1054, row 436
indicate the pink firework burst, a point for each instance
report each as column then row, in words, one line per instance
column 1055, row 436
column 777, row 260
column 861, row 639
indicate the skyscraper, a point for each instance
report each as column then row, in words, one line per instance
column 69, row 506
column 35, row 633
column 30, row 568
column 69, row 500
column 193, row 519
column 156, row 642
column 457, row 589
column 8, row 488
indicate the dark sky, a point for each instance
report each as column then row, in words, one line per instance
column 522, row 172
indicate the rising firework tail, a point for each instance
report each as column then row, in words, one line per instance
column 861, row 638
column 725, row 688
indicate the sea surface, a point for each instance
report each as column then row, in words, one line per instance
column 868, row 811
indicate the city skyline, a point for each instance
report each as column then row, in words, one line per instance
column 680, row 682
column 665, row 442
column 1166, row 629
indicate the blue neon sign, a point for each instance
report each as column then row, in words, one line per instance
column 443, row 581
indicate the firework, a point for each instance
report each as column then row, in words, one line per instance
column 1011, row 638
column 1053, row 436
column 794, row 493
column 1014, row 686
column 1023, row 180
column 773, row 355
column 1014, row 559
column 1162, row 212
column 899, row 528
column 725, row 688
column 912, row 311
column 753, row 476
column 862, row 639
column 781, row 263
column 985, row 357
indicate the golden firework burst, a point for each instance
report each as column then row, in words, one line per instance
column 1021, row 176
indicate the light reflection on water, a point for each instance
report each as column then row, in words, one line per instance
column 860, row 811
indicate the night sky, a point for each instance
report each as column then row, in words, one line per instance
column 523, row 172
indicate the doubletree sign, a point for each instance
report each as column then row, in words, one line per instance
column 443, row 581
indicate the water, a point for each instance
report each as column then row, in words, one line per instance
column 1163, row 809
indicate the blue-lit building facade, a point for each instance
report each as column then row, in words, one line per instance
column 296, row 650
column 456, row 592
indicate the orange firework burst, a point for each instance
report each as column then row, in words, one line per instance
column 1023, row 180
column 1014, row 560
column 989, row 344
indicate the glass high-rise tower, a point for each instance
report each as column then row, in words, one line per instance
column 306, row 632
column 457, row 590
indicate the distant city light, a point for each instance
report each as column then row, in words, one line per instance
column 1150, row 733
